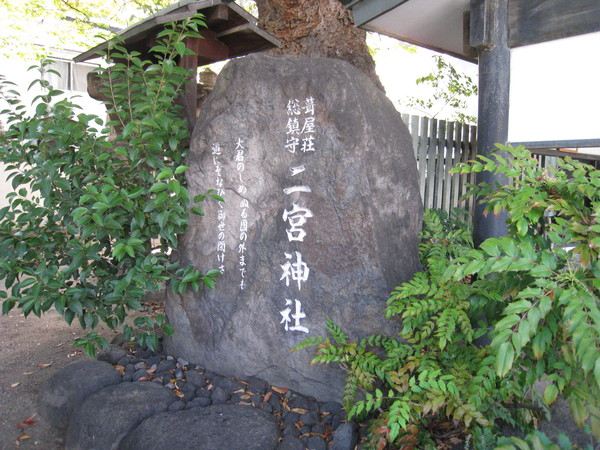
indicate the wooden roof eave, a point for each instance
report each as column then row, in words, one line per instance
column 180, row 11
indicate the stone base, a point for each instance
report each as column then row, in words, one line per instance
column 145, row 409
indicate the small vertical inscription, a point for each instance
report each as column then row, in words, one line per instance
column 221, row 214
column 243, row 229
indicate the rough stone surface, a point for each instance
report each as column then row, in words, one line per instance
column 332, row 407
column 213, row 427
column 345, row 437
column 105, row 417
column 291, row 443
column 66, row 389
column 112, row 354
column 257, row 385
column 199, row 402
column 195, row 378
column 219, row 396
column 316, row 443
column 311, row 418
column 562, row 422
column 360, row 237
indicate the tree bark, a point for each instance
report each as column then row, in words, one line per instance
column 317, row 28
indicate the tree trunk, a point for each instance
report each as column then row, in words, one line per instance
column 317, row 28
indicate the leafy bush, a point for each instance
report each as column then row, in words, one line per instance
column 435, row 376
column 536, row 296
column 548, row 273
column 535, row 440
column 94, row 216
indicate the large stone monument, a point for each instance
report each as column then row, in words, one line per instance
column 320, row 218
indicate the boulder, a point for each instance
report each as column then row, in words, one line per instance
column 345, row 437
column 320, row 219
column 69, row 387
column 105, row 417
column 214, row 427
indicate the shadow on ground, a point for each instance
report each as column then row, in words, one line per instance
column 31, row 349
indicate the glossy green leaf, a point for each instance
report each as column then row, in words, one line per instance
column 550, row 394
column 505, row 355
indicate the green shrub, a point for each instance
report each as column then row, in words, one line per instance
column 93, row 216
column 548, row 272
column 537, row 298
column 435, row 375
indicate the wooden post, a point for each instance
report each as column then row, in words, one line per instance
column 190, row 62
column 489, row 34
column 206, row 49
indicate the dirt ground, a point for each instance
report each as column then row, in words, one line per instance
column 31, row 349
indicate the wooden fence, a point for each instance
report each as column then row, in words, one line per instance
column 440, row 146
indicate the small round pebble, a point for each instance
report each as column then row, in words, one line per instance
column 332, row 407
column 139, row 374
column 154, row 360
column 177, row 406
column 198, row 402
column 124, row 361
column 291, row 418
column 274, row 402
column 227, row 384
column 302, row 402
column 167, row 364
column 316, row 443
column 318, row 428
column 195, row 378
column 256, row 399
column 203, row 393
column 257, row 385
column 267, row 407
column 182, row 362
column 189, row 391
column 237, row 398
column 143, row 354
column 311, row 418
column 336, row 422
column 219, row 396
column 291, row 443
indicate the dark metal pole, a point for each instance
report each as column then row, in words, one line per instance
column 489, row 34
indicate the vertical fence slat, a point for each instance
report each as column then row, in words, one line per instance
column 466, row 149
column 472, row 155
column 412, row 123
column 431, row 158
column 458, row 151
column 440, row 146
column 439, row 174
column 422, row 154
column 414, row 131
column 450, row 148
